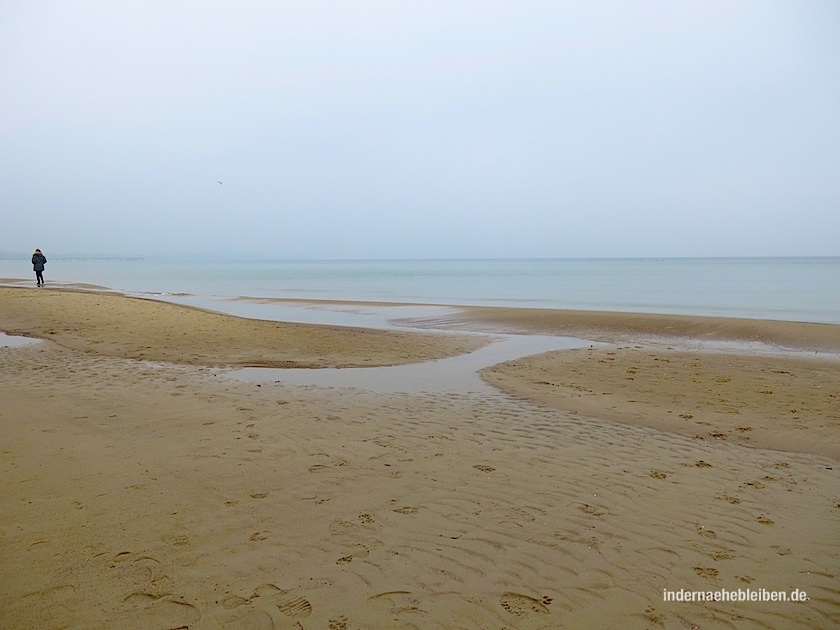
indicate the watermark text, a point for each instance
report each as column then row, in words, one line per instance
column 735, row 595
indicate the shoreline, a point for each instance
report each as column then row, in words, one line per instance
column 793, row 289
column 753, row 335
column 628, row 327
column 606, row 326
column 690, row 386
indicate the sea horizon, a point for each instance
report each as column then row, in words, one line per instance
column 139, row 256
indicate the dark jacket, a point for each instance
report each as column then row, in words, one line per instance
column 38, row 261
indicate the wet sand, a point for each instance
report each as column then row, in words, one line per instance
column 167, row 494
column 789, row 403
column 624, row 327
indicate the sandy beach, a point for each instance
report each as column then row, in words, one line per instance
column 144, row 487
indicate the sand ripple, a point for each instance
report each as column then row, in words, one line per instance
column 153, row 496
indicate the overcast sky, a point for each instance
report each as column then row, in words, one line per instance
column 393, row 129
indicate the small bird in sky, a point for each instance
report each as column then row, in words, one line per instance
column 220, row 183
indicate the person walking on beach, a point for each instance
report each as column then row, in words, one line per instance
column 38, row 262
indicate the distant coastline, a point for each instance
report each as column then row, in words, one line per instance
column 162, row 258
column 5, row 256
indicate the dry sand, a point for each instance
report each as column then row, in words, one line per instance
column 164, row 495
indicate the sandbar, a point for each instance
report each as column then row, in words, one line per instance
column 111, row 324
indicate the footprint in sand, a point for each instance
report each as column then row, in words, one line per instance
column 707, row 573
column 653, row 616
column 135, row 568
column 295, row 607
column 234, row 601
column 246, row 618
column 268, row 598
column 359, row 552
column 706, row 533
column 168, row 611
column 523, row 605
column 240, row 614
column 591, row 510
column 523, row 515
column 340, row 623
column 342, row 528
column 395, row 603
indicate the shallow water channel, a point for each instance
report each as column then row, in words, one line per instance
column 11, row 341
column 454, row 374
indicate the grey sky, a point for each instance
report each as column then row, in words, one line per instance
column 374, row 129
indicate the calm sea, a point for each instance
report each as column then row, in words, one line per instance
column 796, row 289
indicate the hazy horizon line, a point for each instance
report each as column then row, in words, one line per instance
column 77, row 256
